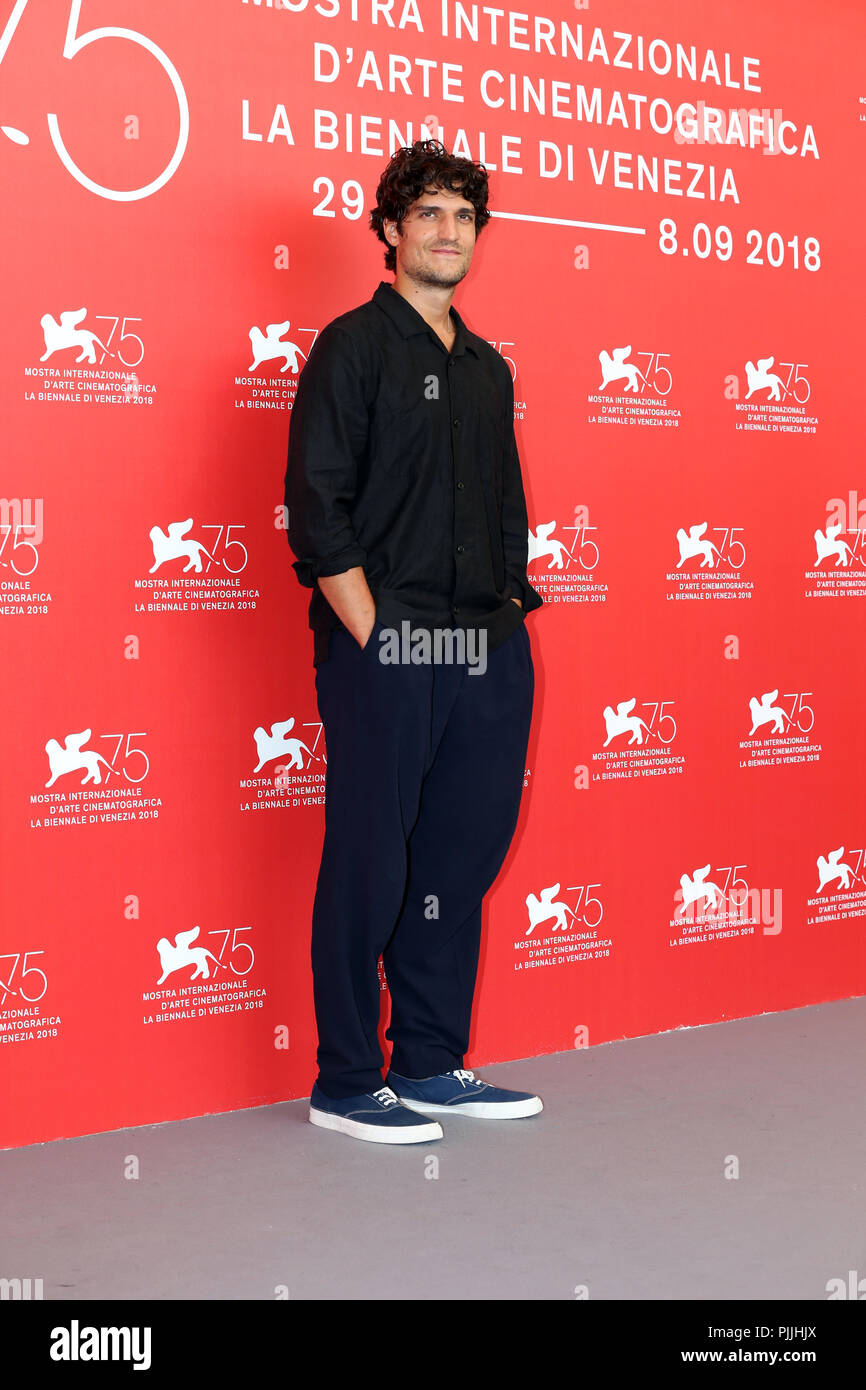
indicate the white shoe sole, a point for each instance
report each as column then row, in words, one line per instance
column 377, row 1134
column 480, row 1109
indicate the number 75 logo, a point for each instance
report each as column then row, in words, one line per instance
column 72, row 46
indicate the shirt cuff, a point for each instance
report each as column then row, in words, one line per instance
column 308, row 571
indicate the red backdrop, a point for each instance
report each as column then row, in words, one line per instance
column 678, row 287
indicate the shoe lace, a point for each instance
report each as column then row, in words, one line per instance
column 385, row 1096
column 467, row 1077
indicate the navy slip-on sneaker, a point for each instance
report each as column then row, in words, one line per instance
column 378, row 1117
column 462, row 1092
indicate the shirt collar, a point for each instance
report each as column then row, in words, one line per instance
column 410, row 322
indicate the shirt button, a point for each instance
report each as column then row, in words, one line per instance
column 461, row 485
column 460, row 549
column 455, row 423
column 455, row 610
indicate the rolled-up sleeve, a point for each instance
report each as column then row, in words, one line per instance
column 515, row 524
column 328, row 437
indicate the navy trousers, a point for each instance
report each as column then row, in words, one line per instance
column 422, row 790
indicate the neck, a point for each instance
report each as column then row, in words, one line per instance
column 433, row 302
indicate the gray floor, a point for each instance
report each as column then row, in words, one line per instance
column 618, row 1186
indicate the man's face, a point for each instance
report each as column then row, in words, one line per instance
column 437, row 240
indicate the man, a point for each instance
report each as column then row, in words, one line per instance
column 408, row 518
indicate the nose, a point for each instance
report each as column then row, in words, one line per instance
column 448, row 229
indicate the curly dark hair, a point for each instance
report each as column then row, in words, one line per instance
column 413, row 171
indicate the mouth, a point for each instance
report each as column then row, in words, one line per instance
column 444, row 251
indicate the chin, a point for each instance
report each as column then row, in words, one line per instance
column 430, row 277
column 450, row 271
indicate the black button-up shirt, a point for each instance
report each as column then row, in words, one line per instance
column 402, row 459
